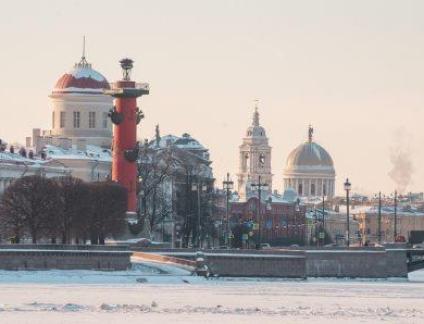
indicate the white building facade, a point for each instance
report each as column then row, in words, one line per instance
column 80, row 109
column 14, row 166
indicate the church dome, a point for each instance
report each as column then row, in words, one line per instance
column 310, row 157
column 81, row 79
column 309, row 154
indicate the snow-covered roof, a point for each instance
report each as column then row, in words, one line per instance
column 81, row 79
column 288, row 197
column 7, row 157
column 92, row 152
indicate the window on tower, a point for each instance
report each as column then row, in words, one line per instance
column 246, row 162
column 261, row 160
column 62, row 119
column 91, row 119
column 77, row 120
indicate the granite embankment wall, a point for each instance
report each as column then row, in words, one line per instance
column 339, row 262
column 65, row 257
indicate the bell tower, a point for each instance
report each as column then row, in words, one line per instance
column 254, row 159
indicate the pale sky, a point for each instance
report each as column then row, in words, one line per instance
column 354, row 69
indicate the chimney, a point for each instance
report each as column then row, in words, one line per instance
column 36, row 134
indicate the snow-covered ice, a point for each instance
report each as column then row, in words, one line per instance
column 161, row 293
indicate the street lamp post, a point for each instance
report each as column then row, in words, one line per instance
column 347, row 186
column 260, row 186
column 323, row 213
column 228, row 186
column 199, row 187
column 296, row 211
column 395, row 224
column 379, row 217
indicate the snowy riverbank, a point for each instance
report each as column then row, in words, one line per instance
column 161, row 293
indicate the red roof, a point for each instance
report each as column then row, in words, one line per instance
column 82, row 79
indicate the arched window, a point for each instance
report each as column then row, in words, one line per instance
column 246, row 161
column 261, row 160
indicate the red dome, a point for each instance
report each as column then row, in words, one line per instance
column 81, row 79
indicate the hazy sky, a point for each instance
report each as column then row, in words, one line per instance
column 354, row 69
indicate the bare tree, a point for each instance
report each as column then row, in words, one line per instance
column 73, row 220
column 108, row 210
column 154, row 168
column 30, row 205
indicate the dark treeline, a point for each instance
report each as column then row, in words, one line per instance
column 62, row 210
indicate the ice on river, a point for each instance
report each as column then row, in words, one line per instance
column 152, row 293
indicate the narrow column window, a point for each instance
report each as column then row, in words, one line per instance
column 76, row 119
column 62, row 119
column 92, row 119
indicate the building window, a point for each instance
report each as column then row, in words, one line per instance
column 105, row 119
column 300, row 189
column 312, row 189
column 91, row 119
column 62, row 119
column 324, row 190
column 53, row 119
column 76, row 119
column 261, row 160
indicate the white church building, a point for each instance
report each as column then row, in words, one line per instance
column 309, row 171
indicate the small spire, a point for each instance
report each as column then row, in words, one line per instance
column 83, row 48
column 83, row 62
column 256, row 114
column 310, row 133
column 157, row 135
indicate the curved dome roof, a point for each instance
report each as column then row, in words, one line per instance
column 81, row 79
column 186, row 141
column 256, row 131
column 309, row 154
column 309, row 157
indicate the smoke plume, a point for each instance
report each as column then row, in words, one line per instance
column 400, row 157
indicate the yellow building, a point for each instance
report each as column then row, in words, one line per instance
column 407, row 221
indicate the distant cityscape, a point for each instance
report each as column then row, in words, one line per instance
column 247, row 209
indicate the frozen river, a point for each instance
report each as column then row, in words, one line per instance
column 163, row 294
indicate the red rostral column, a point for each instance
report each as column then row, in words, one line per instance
column 125, row 116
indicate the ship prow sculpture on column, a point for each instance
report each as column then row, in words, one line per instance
column 125, row 116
